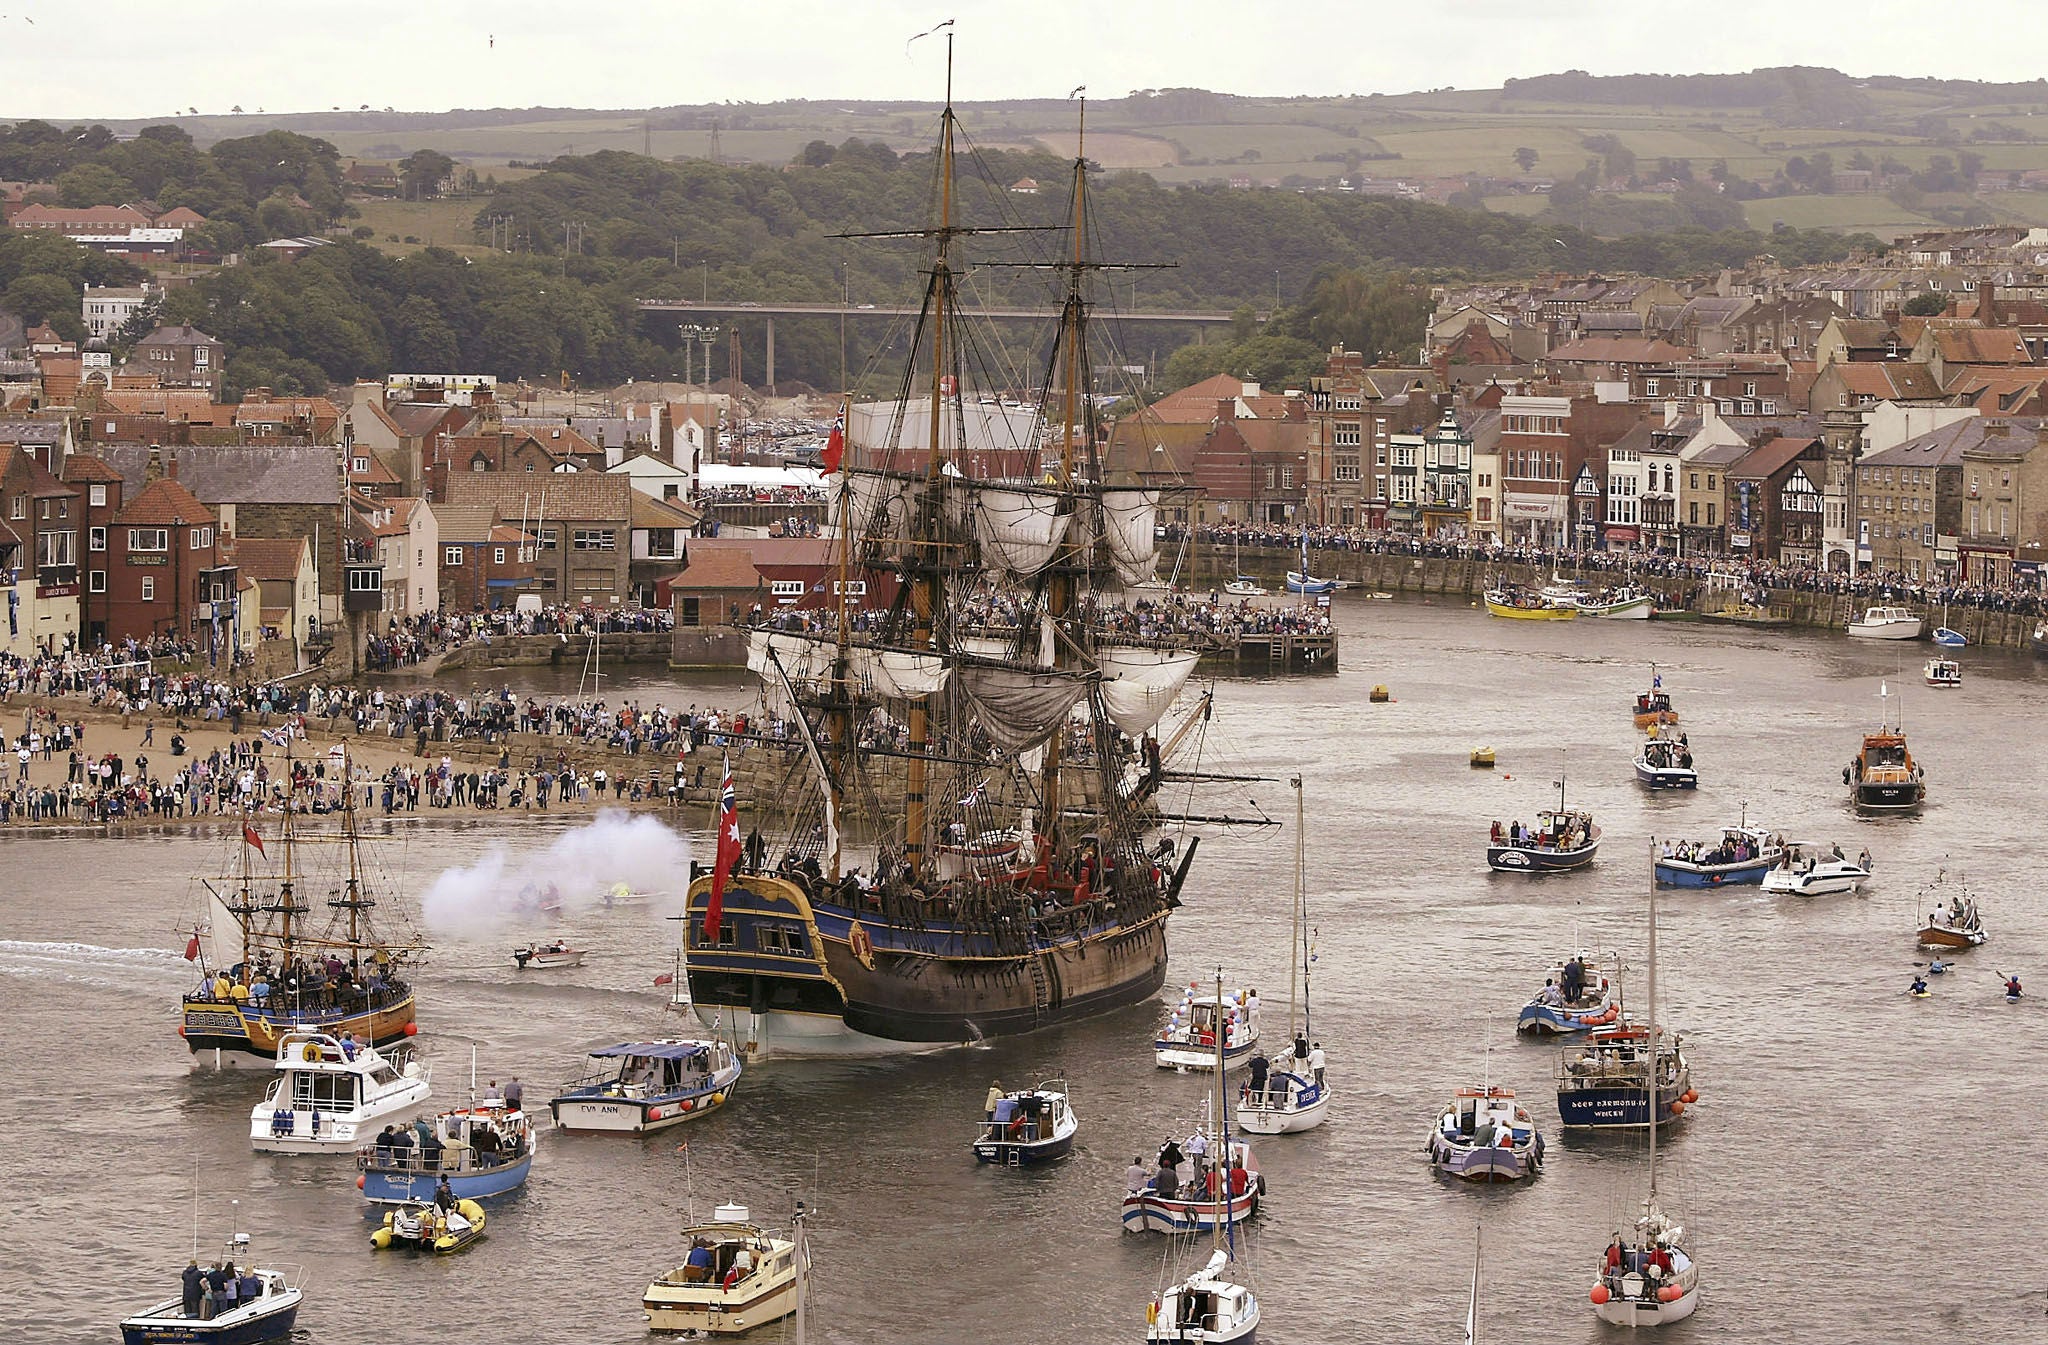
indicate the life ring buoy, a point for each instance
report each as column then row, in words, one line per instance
column 312, row 1053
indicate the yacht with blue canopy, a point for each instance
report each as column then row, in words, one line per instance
column 639, row 1086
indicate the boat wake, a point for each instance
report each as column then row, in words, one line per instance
column 94, row 965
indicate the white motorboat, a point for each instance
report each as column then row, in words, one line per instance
column 266, row 1307
column 1292, row 1097
column 1944, row 673
column 1886, row 623
column 1648, row 1279
column 1191, row 1036
column 542, row 956
column 648, row 1085
column 1244, row 586
column 332, row 1092
column 737, row 1276
column 1805, row 871
column 1626, row 603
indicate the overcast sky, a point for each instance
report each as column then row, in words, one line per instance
column 128, row 58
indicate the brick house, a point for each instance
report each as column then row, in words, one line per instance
column 1553, row 463
column 105, row 493
column 1766, row 507
column 39, row 553
column 483, row 563
column 159, row 546
column 582, row 522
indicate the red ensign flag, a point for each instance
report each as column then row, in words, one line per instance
column 728, row 853
column 249, row 835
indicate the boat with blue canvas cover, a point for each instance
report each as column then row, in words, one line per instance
column 648, row 1085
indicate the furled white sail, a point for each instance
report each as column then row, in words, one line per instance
column 1139, row 685
column 802, row 656
column 901, row 674
column 1019, row 708
column 1020, row 531
column 882, row 507
column 987, row 646
column 1130, row 527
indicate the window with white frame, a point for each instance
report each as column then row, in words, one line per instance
column 149, row 539
column 149, row 588
column 452, row 556
column 497, row 555
column 202, row 538
column 595, row 539
column 96, row 539
column 96, row 495
column 96, row 581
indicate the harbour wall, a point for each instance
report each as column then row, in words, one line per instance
column 1453, row 577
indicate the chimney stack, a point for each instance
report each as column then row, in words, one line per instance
column 1987, row 303
column 153, row 470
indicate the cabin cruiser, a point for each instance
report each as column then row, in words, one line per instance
column 1944, row 673
column 1955, row 924
column 1032, row 1125
column 1625, row 603
column 648, row 1085
column 1574, row 998
column 485, row 1149
column 266, row 1308
column 737, row 1276
column 1666, row 762
column 1244, row 586
column 331, row 1092
column 1561, row 840
column 1803, row 870
column 1189, row 1038
column 1603, row 1082
column 542, row 956
column 1742, row 854
column 1486, row 1136
column 1886, row 623
column 431, row 1226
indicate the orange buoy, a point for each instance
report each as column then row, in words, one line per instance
column 1678, row 1107
column 1670, row 1293
column 1600, row 1294
column 412, row 1029
column 1690, row 1095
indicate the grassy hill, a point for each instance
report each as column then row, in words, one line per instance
column 1754, row 125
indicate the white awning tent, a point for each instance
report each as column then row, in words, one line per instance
column 718, row 476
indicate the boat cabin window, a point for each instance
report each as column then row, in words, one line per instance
column 322, row 1091
column 728, row 935
column 782, row 939
column 384, row 1074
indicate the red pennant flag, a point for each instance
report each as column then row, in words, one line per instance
column 192, row 949
column 249, row 835
column 835, row 446
column 666, row 978
column 728, row 853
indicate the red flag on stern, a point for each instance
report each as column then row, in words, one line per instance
column 192, row 948
column 728, row 853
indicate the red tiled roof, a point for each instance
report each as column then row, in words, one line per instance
column 161, row 503
column 86, row 467
column 268, row 557
column 718, row 568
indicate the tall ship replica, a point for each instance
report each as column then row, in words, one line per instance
column 271, row 961
column 997, row 732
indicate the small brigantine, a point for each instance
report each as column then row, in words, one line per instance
column 267, row 968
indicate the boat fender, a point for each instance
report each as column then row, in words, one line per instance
column 1690, row 1095
column 1670, row 1293
column 412, row 1029
column 1600, row 1294
column 717, row 1098
column 1262, row 1183
column 359, row 1181
column 312, row 1053
column 1678, row 1106
column 1152, row 1313
column 689, row 1105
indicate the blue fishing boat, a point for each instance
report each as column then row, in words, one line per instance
column 1743, row 854
column 1569, row 1003
column 1604, row 1082
column 485, row 1149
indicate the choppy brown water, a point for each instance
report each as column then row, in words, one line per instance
column 1850, row 1173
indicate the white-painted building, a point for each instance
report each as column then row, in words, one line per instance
column 107, row 308
column 655, row 477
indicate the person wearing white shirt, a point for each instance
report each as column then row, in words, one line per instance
column 1315, row 1062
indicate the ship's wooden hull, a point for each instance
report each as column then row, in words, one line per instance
column 211, row 1025
column 862, row 987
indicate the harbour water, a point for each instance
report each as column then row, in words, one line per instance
column 1854, row 1169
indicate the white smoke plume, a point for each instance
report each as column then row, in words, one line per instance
column 618, row 858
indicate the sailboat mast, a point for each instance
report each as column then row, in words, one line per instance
column 1654, row 1065
column 927, row 589
column 354, row 900
column 1296, row 972
column 1220, row 1171
column 287, row 896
